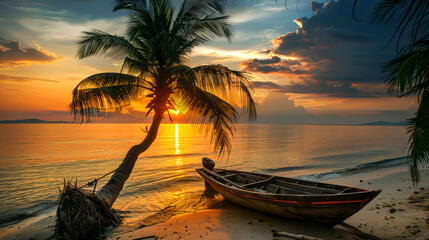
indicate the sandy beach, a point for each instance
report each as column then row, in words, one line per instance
column 399, row 212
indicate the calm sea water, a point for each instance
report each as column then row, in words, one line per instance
column 35, row 158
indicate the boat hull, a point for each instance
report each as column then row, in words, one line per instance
column 327, row 209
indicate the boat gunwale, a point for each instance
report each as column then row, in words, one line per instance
column 269, row 196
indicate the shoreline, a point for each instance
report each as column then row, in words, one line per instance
column 401, row 211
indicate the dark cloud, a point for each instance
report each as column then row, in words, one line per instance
column 337, row 51
column 265, row 85
column 13, row 55
column 322, row 87
column 311, row 86
column 267, row 61
column 24, row 79
column 348, row 36
column 273, row 65
column 337, row 89
column 291, row 42
column 266, row 51
column 316, row 6
column 324, row 31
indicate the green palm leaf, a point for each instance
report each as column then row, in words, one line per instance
column 408, row 74
column 419, row 138
column 410, row 16
column 99, row 42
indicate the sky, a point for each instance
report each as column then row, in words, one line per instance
column 311, row 62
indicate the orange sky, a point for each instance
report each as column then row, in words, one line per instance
column 38, row 68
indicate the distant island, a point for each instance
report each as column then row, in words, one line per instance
column 31, row 120
column 383, row 123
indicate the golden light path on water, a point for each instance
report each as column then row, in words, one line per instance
column 180, row 201
column 177, row 144
column 35, row 158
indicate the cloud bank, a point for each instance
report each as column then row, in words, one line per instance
column 333, row 54
column 12, row 55
column 279, row 108
column 273, row 65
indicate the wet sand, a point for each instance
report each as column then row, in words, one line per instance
column 401, row 211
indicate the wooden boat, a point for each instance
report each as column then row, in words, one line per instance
column 287, row 197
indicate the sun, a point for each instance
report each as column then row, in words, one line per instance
column 175, row 112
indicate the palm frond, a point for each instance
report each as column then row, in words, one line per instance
column 389, row 11
column 135, row 67
column 141, row 25
column 108, row 79
column 194, row 9
column 211, row 27
column 221, row 80
column 412, row 18
column 100, row 94
column 203, row 20
column 419, row 138
column 214, row 116
column 408, row 73
column 99, row 42
column 247, row 104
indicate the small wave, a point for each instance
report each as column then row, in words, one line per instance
column 19, row 215
column 366, row 167
column 346, row 156
column 284, row 169
column 188, row 202
column 165, row 184
column 13, row 218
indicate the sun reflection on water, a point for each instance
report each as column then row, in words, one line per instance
column 177, row 144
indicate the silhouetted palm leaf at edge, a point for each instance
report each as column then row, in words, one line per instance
column 154, row 50
column 408, row 74
column 419, row 138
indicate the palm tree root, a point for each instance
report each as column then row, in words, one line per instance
column 81, row 214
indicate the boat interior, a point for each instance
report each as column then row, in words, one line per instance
column 276, row 185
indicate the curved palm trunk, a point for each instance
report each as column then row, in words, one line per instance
column 110, row 191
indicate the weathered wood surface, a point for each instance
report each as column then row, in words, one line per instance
column 287, row 197
column 293, row 236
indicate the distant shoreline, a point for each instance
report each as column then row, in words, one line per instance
column 30, row 120
column 383, row 123
column 39, row 121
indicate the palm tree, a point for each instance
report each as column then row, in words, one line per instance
column 154, row 51
column 408, row 73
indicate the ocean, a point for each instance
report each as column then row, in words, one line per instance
column 36, row 158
